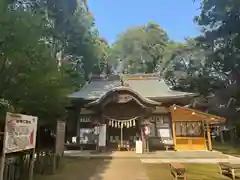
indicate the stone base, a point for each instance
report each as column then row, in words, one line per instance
column 102, row 149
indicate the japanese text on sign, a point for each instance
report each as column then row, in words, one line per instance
column 20, row 132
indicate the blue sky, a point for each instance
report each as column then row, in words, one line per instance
column 174, row 16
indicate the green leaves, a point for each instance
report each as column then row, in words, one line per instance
column 45, row 56
column 220, row 23
column 141, row 48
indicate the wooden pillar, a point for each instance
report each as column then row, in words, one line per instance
column 142, row 135
column 209, row 137
column 221, row 136
column 78, row 131
column 174, row 134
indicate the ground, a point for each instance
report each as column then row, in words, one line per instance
column 99, row 169
column 194, row 172
column 127, row 165
column 127, row 169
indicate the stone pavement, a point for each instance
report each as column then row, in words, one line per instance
column 121, row 169
column 151, row 155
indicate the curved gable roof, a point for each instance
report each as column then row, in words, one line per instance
column 95, row 89
column 146, row 85
column 136, row 96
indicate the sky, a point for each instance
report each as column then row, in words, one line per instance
column 174, row 16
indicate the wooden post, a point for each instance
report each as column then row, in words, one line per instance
column 209, row 136
column 121, row 135
column 174, row 134
column 78, row 131
column 142, row 139
column 2, row 163
column 54, row 161
column 147, row 144
column 221, row 136
column 32, row 165
column 97, row 145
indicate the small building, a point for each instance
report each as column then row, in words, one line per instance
column 123, row 109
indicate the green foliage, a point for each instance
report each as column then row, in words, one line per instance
column 140, row 48
column 186, row 69
column 220, row 22
column 47, row 50
column 220, row 26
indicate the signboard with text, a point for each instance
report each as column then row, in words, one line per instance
column 20, row 132
column 60, row 137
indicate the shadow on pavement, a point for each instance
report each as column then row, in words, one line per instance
column 79, row 169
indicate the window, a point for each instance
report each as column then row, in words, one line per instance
column 189, row 129
column 87, row 136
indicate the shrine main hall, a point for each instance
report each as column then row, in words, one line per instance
column 126, row 108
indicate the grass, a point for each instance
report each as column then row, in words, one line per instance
column 227, row 148
column 194, row 172
column 75, row 169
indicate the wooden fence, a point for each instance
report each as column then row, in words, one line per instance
column 47, row 157
column 17, row 166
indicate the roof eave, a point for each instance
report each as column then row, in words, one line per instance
column 144, row 99
column 175, row 97
column 211, row 118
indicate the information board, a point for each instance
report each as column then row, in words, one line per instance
column 20, row 132
column 164, row 133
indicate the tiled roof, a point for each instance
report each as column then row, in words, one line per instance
column 146, row 86
column 154, row 88
column 95, row 89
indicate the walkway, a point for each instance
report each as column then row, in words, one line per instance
column 99, row 169
column 121, row 169
column 153, row 155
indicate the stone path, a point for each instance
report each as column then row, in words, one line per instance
column 152, row 155
column 121, row 169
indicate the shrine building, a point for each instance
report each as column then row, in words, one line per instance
column 142, row 107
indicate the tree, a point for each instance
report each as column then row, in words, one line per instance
column 43, row 59
column 220, row 22
column 30, row 80
column 140, row 48
column 186, row 69
column 220, row 26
